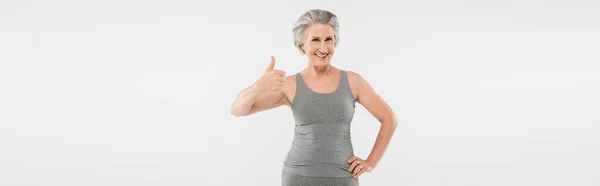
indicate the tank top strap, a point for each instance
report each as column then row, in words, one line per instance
column 299, row 80
column 344, row 84
column 300, row 85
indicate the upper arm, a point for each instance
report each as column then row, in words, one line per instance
column 272, row 99
column 366, row 96
column 268, row 100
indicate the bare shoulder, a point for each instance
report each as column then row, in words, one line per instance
column 290, row 78
column 356, row 82
column 290, row 82
column 353, row 77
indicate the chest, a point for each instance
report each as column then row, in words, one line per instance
column 289, row 89
column 323, row 108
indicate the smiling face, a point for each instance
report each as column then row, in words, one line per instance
column 319, row 44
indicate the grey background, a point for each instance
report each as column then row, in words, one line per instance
column 133, row 92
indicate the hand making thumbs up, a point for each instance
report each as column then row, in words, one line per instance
column 272, row 80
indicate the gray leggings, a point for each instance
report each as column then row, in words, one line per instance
column 288, row 179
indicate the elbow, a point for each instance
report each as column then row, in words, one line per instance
column 234, row 112
column 395, row 121
column 391, row 122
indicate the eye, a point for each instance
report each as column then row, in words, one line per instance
column 315, row 39
column 328, row 39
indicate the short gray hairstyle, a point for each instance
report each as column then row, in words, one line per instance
column 314, row 16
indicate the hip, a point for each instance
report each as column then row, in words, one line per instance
column 289, row 179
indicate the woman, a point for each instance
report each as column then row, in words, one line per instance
column 322, row 98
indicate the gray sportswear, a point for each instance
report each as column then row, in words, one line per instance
column 321, row 145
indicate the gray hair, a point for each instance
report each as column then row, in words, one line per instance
column 314, row 16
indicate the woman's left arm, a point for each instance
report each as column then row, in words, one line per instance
column 366, row 96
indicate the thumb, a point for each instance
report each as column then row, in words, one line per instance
column 272, row 64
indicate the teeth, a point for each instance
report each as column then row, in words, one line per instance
column 324, row 55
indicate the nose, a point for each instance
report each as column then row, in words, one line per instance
column 323, row 46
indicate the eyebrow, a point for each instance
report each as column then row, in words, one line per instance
column 325, row 37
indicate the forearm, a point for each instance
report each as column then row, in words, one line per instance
column 245, row 99
column 386, row 131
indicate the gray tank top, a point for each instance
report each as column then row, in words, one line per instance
column 321, row 145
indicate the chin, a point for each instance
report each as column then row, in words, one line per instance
column 321, row 62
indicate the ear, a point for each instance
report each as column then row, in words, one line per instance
column 303, row 49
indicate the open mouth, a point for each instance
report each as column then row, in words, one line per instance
column 322, row 55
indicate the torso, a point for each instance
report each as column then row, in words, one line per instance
column 320, row 85
column 323, row 109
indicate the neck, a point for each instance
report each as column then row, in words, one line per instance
column 319, row 71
